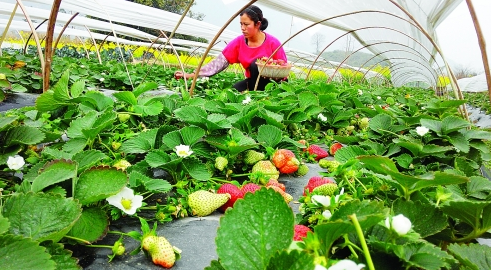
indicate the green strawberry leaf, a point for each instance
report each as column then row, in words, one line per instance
column 306, row 99
column 196, row 169
column 477, row 213
column 367, row 212
column 294, row 260
column 46, row 102
column 91, row 226
column 77, row 88
column 54, row 172
column 422, row 255
column 71, row 147
column 150, row 107
column 87, row 159
column 453, row 123
column 472, row 256
column 99, row 183
column 126, row 96
column 6, row 121
column 191, row 135
column 349, row 152
column 380, row 123
column 4, row 224
column 62, row 257
column 215, row 265
column 479, row 187
column 271, row 118
column 97, row 100
column 78, row 125
column 254, row 230
column 191, row 114
column 426, row 218
column 144, row 87
column 269, row 135
column 41, row 216
column 18, row 252
column 60, row 89
column 23, row 135
column 142, row 143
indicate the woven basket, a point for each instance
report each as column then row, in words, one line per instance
column 271, row 71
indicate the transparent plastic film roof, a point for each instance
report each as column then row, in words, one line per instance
column 402, row 32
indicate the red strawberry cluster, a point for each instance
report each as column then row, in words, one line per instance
column 271, row 62
column 285, row 161
column 236, row 193
column 335, row 147
column 300, row 232
column 316, row 181
column 317, row 152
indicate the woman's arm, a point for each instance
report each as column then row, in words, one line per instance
column 215, row 66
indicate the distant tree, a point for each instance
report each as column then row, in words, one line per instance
column 174, row 6
column 349, row 45
column 463, row 72
column 357, row 59
column 317, row 41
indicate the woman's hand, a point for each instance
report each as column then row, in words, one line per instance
column 179, row 75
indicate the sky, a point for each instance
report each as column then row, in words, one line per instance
column 456, row 35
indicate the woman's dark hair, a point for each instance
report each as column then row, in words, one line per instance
column 256, row 15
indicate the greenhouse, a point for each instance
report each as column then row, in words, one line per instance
column 273, row 135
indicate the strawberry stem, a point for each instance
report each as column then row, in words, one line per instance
column 363, row 243
column 77, row 239
column 99, row 246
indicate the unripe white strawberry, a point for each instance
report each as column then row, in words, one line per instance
column 203, row 202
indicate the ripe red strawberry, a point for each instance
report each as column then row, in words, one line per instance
column 160, row 250
column 235, row 194
column 300, row 232
column 250, row 187
column 304, row 142
column 317, row 151
column 316, row 181
column 281, row 156
column 273, row 182
column 285, row 161
column 288, row 198
column 334, row 147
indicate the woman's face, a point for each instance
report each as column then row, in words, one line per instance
column 247, row 26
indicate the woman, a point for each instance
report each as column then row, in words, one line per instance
column 245, row 49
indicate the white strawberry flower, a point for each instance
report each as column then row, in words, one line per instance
column 126, row 200
column 16, row 162
column 247, row 100
column 346, row 265
column 400, row 224
column 421, row 130
column 336, row 198
column 322, row 117
column 322, row 200
column 101, row 79
column 183, row 150
column 82, row 66
column 379, row 97
column 319, row 267
column 360, row 92
column 327, row 214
